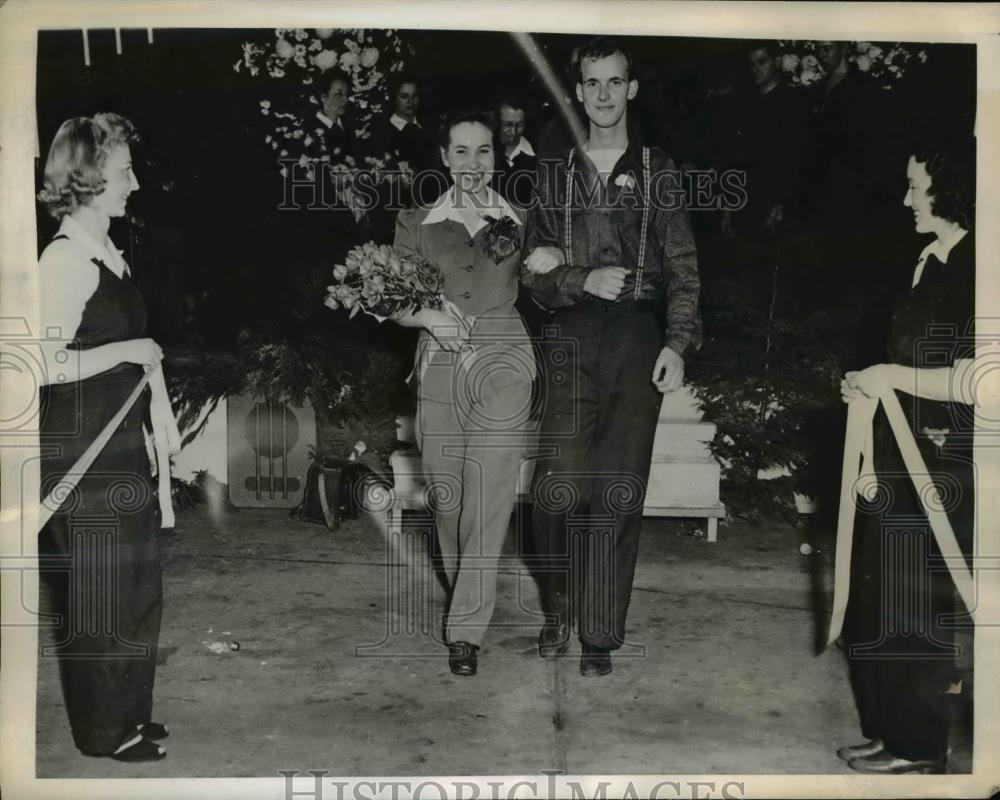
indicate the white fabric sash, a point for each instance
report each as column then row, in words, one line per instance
column 858, row 463
column 166, row 439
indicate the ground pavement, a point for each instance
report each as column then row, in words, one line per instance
column 338, row 666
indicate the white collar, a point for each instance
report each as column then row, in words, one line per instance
column 939, row 249
column 106, row 253
column 523, row 146
column 329, row 122
column 399, row 123
column 446, row 208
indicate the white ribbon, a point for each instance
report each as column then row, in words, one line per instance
column 858, row 461
column 166, row 438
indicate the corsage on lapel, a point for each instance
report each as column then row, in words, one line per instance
column 501, row 238
column 625, row 180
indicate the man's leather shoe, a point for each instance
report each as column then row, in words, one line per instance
column 462, row 658
column 595, row 661
column 553, row 641
column 860, row 750
column 885, row 763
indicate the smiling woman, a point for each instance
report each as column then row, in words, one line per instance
column 902, row 614
column 475, row 367
column 95, row 320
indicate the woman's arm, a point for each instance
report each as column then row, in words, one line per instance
column 66, row 283
column 65, row 365
column 447, row 325
column 944, row 384
column 558, row 285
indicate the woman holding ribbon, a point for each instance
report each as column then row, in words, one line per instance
column 914, row 527
column 474, row 369
column 98, row 550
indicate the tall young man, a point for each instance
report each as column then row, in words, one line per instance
column 611, row 251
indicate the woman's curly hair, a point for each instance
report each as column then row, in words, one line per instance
column 74, row 169
column 951, row 166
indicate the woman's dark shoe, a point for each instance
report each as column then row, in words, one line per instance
column 139, row 749
column 553, row 641
column 462, row 658
column 885, row 763
column 154, row 731
column 860, row 750
column 595, row 661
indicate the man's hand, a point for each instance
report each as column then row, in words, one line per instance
column 544, row 259
column 668, row 371
column 606, row 282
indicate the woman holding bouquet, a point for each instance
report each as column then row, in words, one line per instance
column 900, row 624
column 474, row 368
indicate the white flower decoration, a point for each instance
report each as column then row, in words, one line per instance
column 300, row 57
column 325, row 59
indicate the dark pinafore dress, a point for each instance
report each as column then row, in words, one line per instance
column 99, row 554
column 902, row 615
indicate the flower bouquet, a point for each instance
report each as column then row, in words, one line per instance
column 382, row 282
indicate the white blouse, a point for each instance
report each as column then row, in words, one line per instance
column 67, row 277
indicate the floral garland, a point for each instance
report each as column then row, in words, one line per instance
column 302, row 56
column 886, row 62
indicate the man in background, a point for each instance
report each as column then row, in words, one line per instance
column 515, row 178
column 763, row 139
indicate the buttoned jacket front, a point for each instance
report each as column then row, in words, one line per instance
column 480, row 287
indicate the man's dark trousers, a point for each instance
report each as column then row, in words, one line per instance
column 599, row 421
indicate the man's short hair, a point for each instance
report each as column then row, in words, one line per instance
column 513, row 102
column 768, row 45
column 399, row 79
column 601, row 47
column 330, row 77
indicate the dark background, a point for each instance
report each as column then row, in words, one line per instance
column 205, row 239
